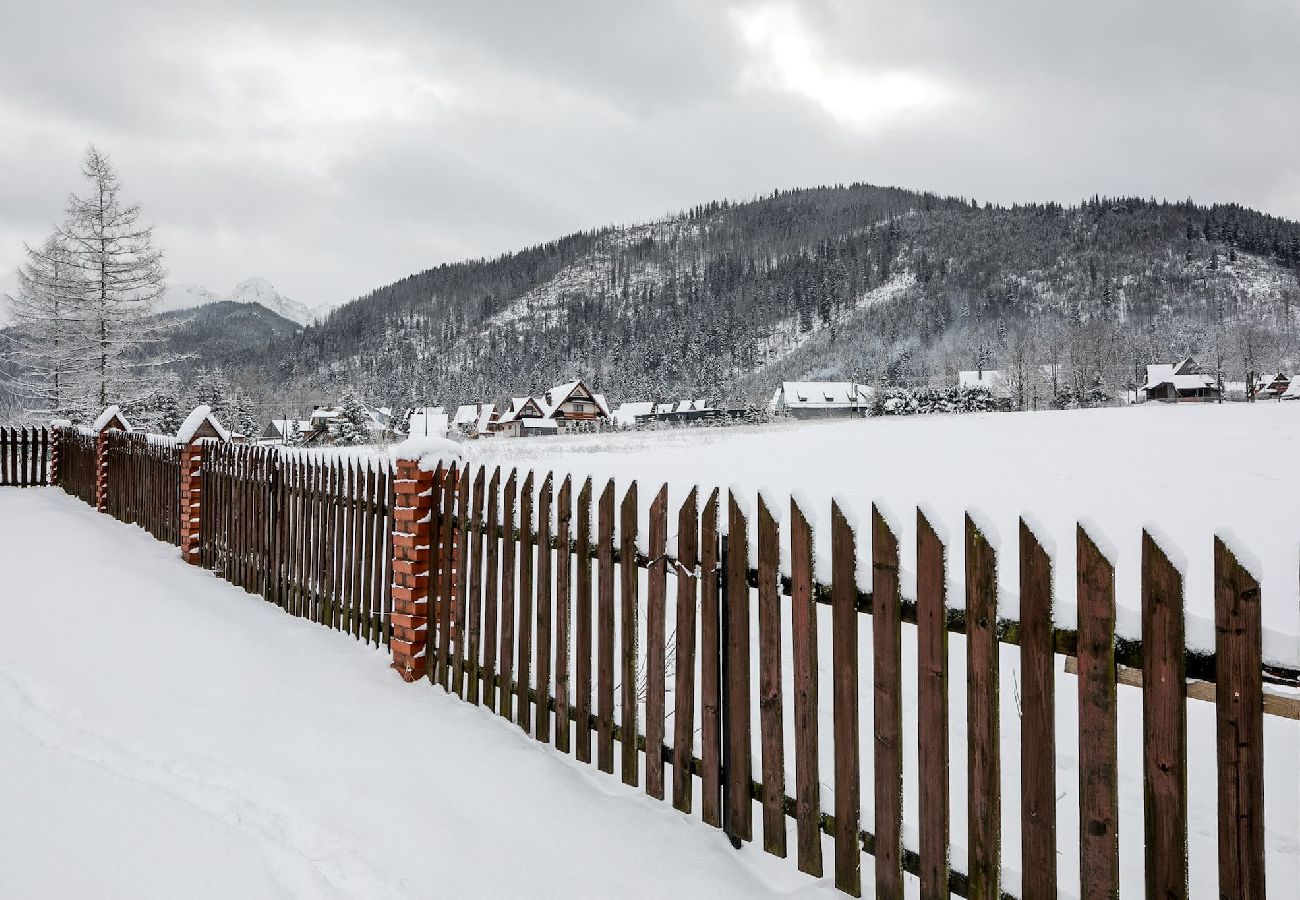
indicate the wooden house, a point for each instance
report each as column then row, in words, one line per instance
column 573, row 407
column 1182, row 382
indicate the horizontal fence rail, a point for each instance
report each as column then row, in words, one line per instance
column 311, row 535
column 24, row 456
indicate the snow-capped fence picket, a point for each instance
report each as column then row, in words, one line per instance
column 311, row 535
column 24, row 455
column 76, row 471
column 144, row 482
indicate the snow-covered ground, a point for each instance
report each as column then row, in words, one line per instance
column 1190, row 471
column 166, row 734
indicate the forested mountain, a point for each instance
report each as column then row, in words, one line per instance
column 877, row 284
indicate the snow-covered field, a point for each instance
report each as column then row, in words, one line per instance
column 165, row 734
column 1190, row 471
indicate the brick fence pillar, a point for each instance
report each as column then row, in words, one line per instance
column 55, row 431
column 110, row 419
column 191, row 512
column 412, row 534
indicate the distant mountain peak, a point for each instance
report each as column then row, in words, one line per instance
column 255, row 289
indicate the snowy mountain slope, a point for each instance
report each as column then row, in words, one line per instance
column 250, row 290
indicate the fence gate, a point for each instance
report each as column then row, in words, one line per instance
column 24, row 452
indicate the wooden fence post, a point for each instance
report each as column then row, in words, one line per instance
column 54, row 431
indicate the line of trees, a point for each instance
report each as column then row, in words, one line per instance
column 82, row 333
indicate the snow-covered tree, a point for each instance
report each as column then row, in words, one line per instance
column 47, row 347
column 114, row 255
column 163, row 411
column 351, row 424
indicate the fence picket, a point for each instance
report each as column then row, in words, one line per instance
column 1164, row 724
column 656, row 652
column 684, row 652
column 582, row 634
column 1038, row 719
column 770, row 708
column 932, row 710
column 605, row 631
column 984, row 803
column 475, row 550
column 887, row 673
column 803, row 620
column 710, row 667
column 844, row 680
column 492, row 601
column 509, row 572
column 629, row 622
column 1098, row 727
column 563, row 614
column 527, row 538
column 542, row 720
column 1240, row 725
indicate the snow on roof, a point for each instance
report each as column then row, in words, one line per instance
column 1191, row 382
column 485, row 414
column 1293, row 390
column 107, row 416
column 194, row 421
column 823, row 393
column 427, row 422
column 532, row 424
column 550, row 401
column 979, row 378
column 1158, row 375
column 627, row 413
column 466, row 414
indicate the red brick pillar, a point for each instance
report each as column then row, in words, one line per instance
column 110, row 419
column 56, row 429
column 191, row 513
column 412, row 534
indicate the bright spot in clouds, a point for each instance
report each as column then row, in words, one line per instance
column 787, row 56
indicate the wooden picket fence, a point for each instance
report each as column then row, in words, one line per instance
column 77, row 463
column 311, row 535
column 144, row 487
column 669, row 668
column 523, row 625
column 24, row 455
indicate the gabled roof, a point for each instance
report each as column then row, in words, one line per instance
column 522, row 408
column 486, row 413
column 1174, row 374
column 575, row 390
column 824, row 393
column 987, row 378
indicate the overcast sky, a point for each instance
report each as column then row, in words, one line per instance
column 336, row 146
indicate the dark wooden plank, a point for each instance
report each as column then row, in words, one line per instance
column 444, row 550
column 1164, row 725
column 1240, row 713
column 629, row 625
column 771, row 711
column 461, row 659
column 710, row 666
column 369, row 539
column 524, row 672
column 1098, row 725
column 932, row 710
column 887, row 682
column 807, row 765
column 542, row 724
column 605, row 630
column 509, row 572
column 684, row 652
column 563, row 613
column 491, row 600
column 1037, row 720
column 844, row 681
column 357, row 605
column 984, row 800
column 738, row 740
column 582, row 628
column 475, row 550
column 656, row 653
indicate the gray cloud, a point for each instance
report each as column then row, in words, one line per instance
column 334, row 147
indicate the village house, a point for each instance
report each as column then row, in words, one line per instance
column 991, row 380
column 426, row 421
column 573, row 407
column 279, row 431
column 524, row 417
column 1181, row 382
column 821, row 399
column 1273, row 386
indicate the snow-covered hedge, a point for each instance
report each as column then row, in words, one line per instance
column 920, row 401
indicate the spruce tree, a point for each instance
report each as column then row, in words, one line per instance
column 114, row 255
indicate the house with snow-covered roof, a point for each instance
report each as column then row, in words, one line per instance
column 821, row 399
column 279, row 431
column 523, row 416
column 1181, row 382
column 991, row 380
column 574, row 407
